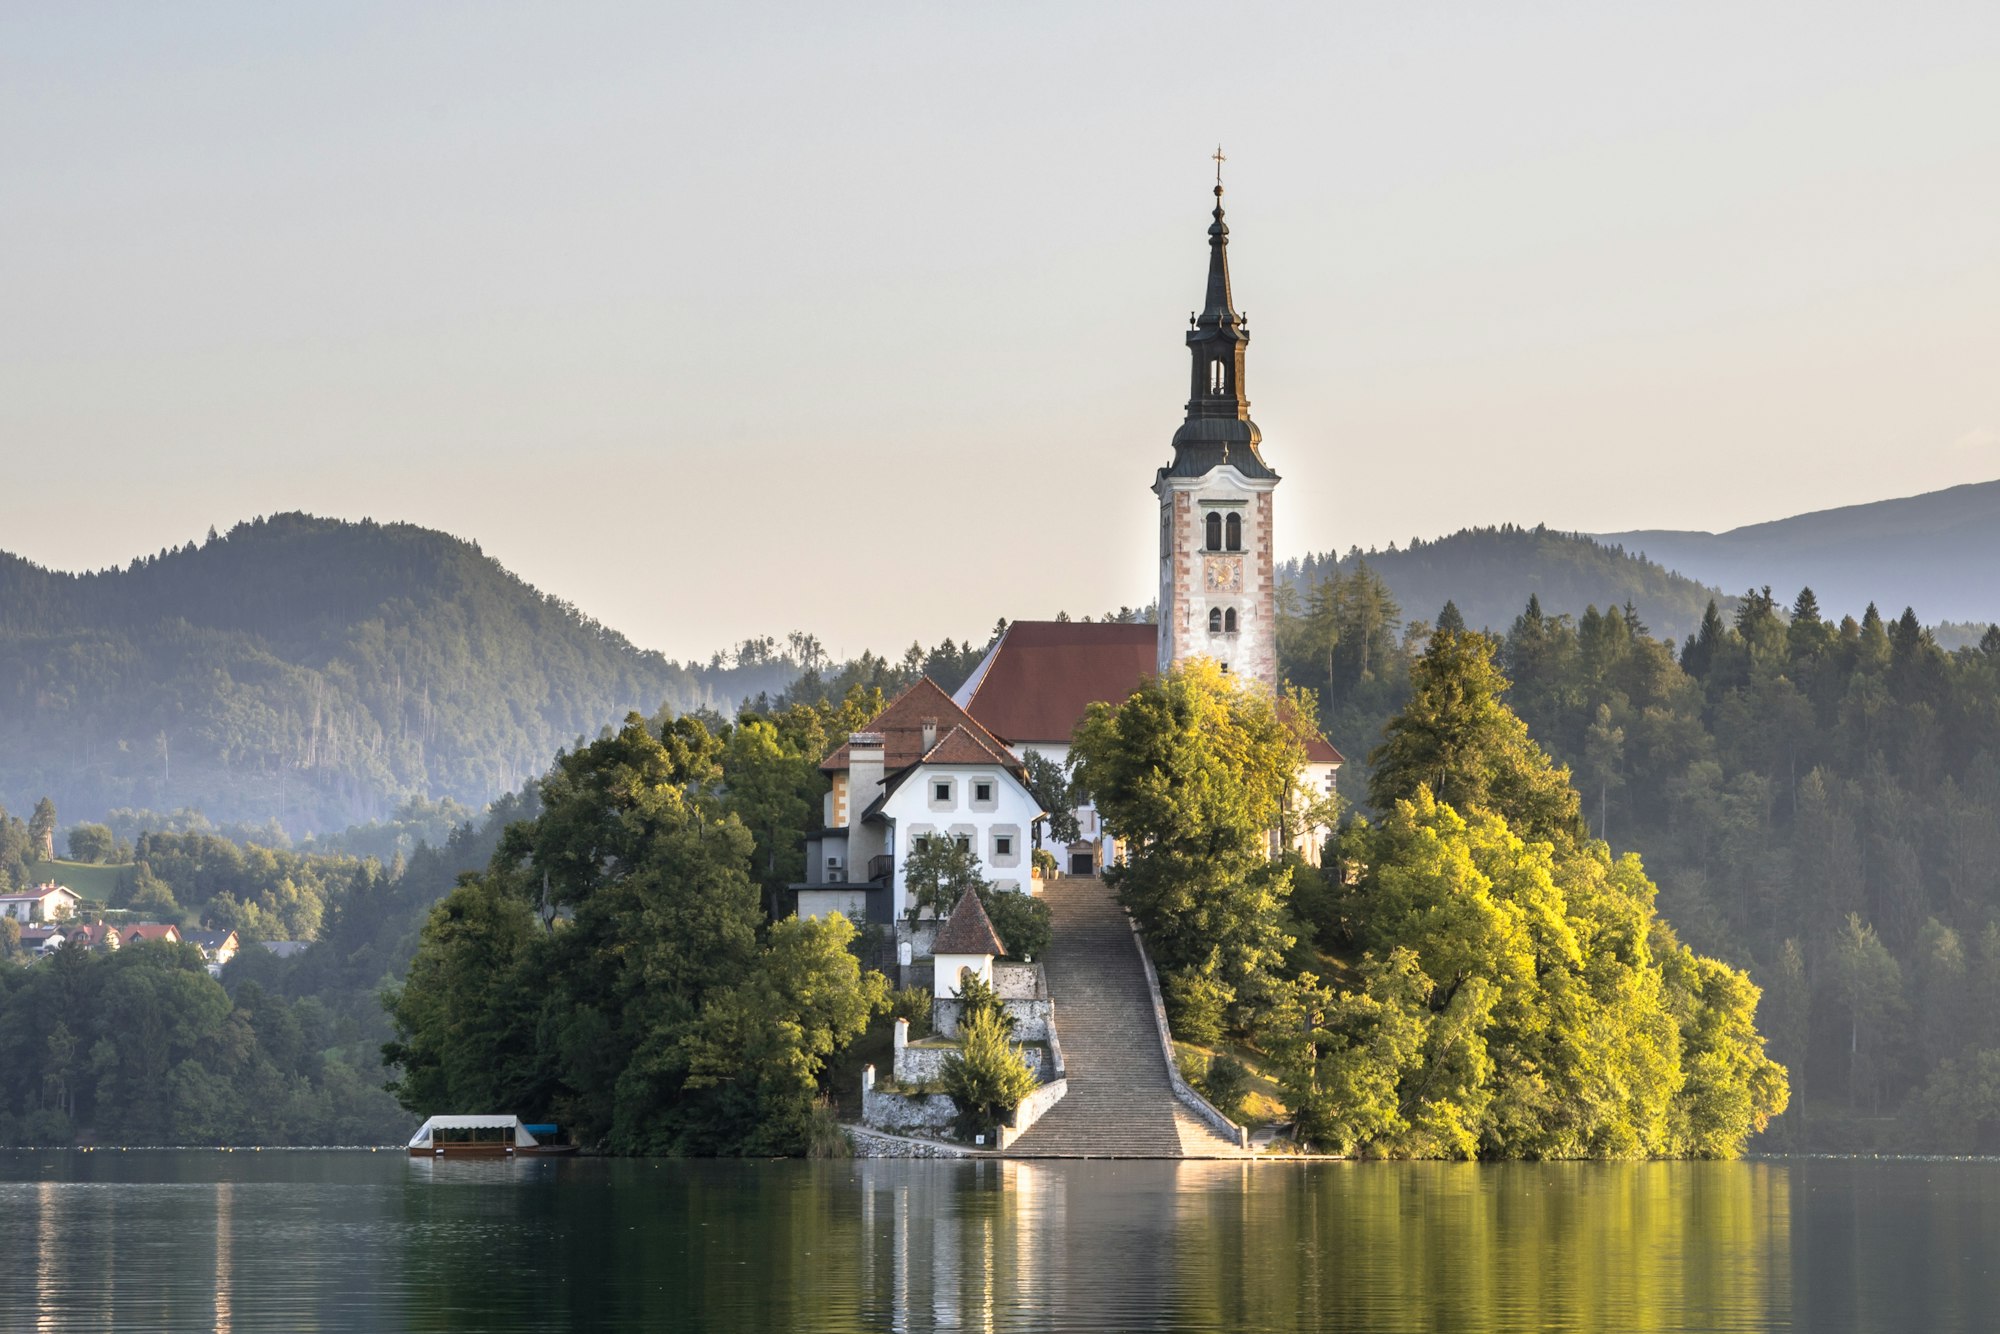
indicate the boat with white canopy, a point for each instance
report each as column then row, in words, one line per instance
column 480, row 1137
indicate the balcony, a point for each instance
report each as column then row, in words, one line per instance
column 882, row 867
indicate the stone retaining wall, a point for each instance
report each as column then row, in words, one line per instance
column 1183, row 1091
column 874, row 1144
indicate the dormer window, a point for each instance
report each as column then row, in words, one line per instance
column 1214, row 531
column 1232, row 528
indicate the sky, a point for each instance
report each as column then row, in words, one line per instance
column 867, row 319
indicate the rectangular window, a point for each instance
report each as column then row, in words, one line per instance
column 943, row 791
column 964, row 843
column 982, row 791
column 1003, row 845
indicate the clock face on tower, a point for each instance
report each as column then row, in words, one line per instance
column 1225, row 574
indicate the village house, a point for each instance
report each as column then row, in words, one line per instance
column 44, row 903
column 97, row 936
column 922, row 768
column 218, row 947
column 42, row 940
column 139, row 931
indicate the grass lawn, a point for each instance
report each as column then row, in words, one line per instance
column 1262, row 1106
column 99, row 884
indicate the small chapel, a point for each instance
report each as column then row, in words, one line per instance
column 933, row 764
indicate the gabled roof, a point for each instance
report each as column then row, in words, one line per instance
column 969, row 931
column 152, row 931
column 1036, row 683
column 962, row 746
column 901, row 727
column 1040, row 679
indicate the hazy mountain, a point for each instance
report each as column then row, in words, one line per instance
column 1937, row 553
column 1491, row 573
column 306, row 669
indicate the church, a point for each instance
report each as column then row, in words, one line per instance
column 932, row 764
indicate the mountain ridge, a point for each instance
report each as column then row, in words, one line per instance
column 1930, row 551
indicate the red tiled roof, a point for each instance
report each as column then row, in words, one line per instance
column 960, row 746
column 1040, row 678
column 152, row 931
column 970, row 930
column 901, row 727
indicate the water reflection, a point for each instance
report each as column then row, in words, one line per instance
column 342, row 1242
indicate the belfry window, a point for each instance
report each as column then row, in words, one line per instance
column 1233, row 526
column 1229, row 621
column 1214, row 531
column 1218, row 377
column 1215, row 620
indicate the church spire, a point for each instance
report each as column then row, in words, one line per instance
column 1218, row 428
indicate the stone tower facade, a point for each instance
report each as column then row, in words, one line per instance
column 1217, row 596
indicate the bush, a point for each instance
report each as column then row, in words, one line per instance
column 913, row 1004
column 1045, row 864
column 1225, row 1083
column 987, row 1077
column 977, row 999
column 1021, row 919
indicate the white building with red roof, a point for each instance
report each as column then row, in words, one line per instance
column 922, row 768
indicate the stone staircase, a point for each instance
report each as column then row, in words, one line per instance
column 1120, row 1102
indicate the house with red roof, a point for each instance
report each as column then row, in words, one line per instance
column 139, row 931
column 41, row 905
column 922, row 768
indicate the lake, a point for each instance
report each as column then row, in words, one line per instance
column 348, row 1241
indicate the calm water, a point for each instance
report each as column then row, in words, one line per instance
column 341, row 1241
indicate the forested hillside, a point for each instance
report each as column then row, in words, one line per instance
column 1491, row 572
column 1818, row 799
column 304, row 669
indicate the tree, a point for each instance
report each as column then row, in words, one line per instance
column 91, row 843
column 987, row 1077
column 42, row 829
column 1191, row 772
column 1457, row 738
column 937, row 872
column 1049, row 784
column 1869, row 983
column 755, row 1058
column 1021, row 920
column 1342, row 1057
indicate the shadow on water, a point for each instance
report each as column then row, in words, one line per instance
column 357, row 1241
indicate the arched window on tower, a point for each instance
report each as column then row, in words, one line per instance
column 1218, row 377
column 1229, row 621
column 1233, row 526
column 1214, row 531
column 1215, row 620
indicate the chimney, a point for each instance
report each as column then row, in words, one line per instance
column 864, row 779
column 930, row 733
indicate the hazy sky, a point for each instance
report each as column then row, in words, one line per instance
column 866, row 319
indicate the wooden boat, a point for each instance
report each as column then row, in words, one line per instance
column 482, row 1137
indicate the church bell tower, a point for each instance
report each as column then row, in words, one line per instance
column 1216, row 584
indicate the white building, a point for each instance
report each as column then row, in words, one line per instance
column 44, row 903
column 922, row 768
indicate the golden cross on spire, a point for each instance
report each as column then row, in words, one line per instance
column 1219, row 160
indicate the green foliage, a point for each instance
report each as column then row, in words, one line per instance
column 1226, row 1085
column 937, row 872
column 1021, row 920
column 1049, row 783
column 1519, row 999
column 978, row 1001
column 91, row 843
column 912, row 1004
column 611, row 968
column 1456, row 738
column 1192, row 773
column 987, row 1077
column 141, row 1046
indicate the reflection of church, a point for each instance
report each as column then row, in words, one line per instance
column 1217, row 600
